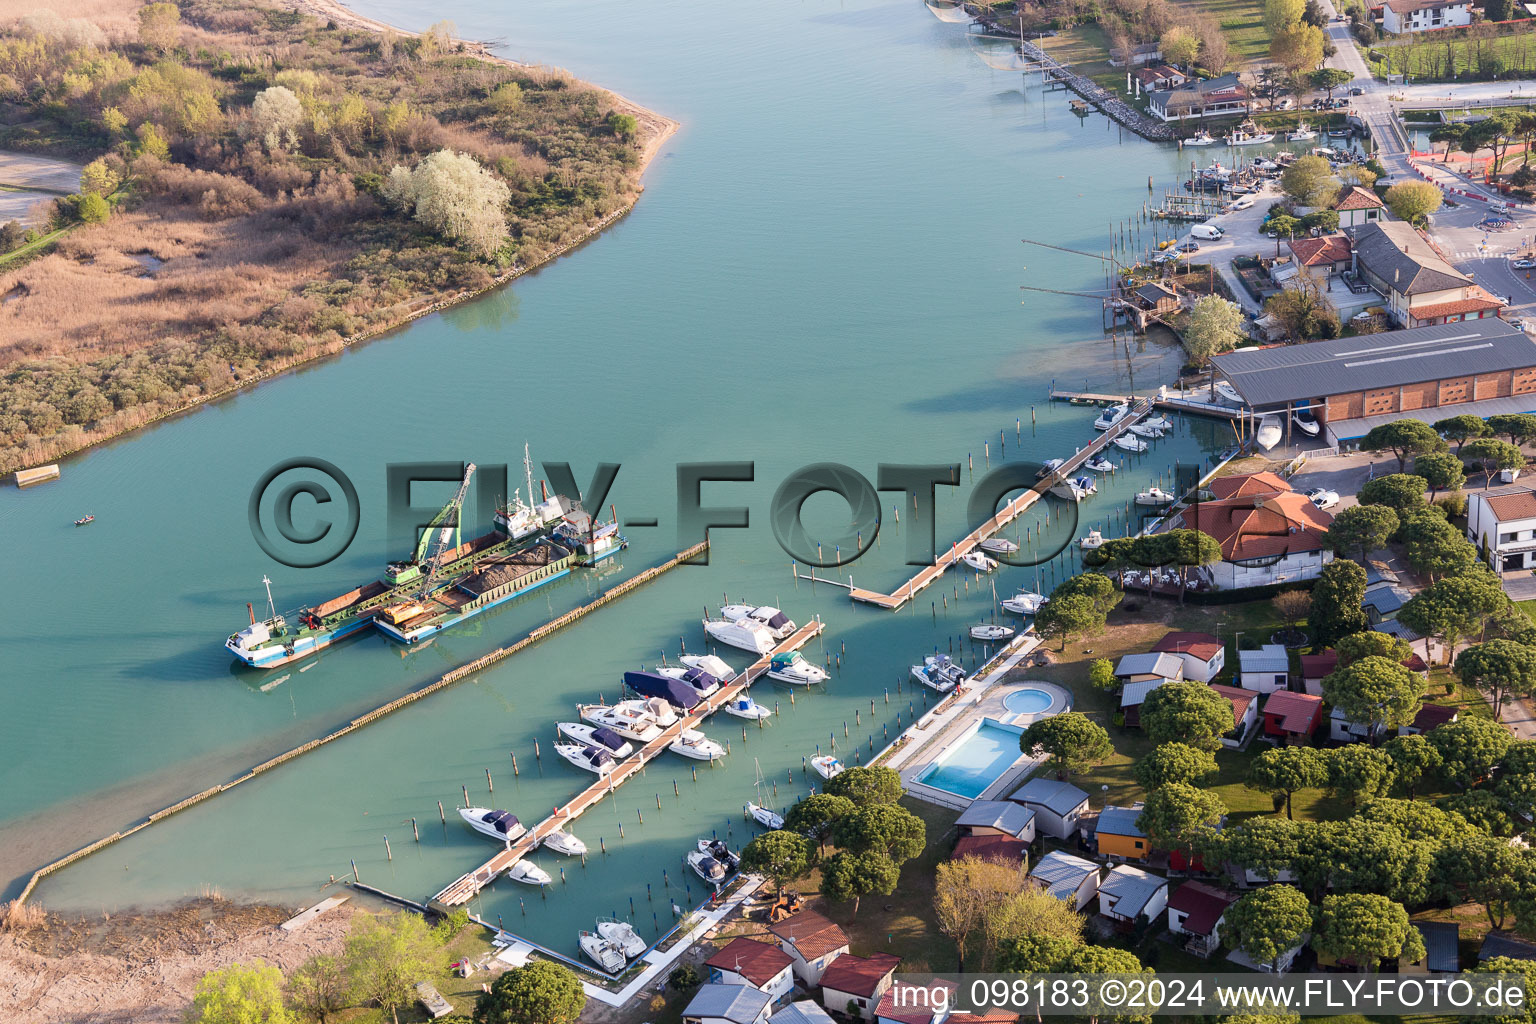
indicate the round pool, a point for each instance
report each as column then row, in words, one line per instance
column 1028, row 701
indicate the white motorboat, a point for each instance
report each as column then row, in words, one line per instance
column 1307, row 422
column 1075, row 489
column 939, row 672
column 607, row 955
column 502, row 825
column 702, row 682
column 723, row 854
column 1228, row 392
column 1303, row 133
column 1249, row 134
column 529, row 873
column 1024, row 603
column 593, row 759
column 707, row 868
column 790, row 667
column 1268, row 434
column 999, row 546
column 1201, row 138
column 715, row 666
column 1110, row 416
column 827, row 766
column 1048, row 467
column 661, row 711
column 1099, row 464
column 596, row 736
column 745, row 707
column 747, row 634
column 764, row 817
column 1154, row 496
column 1130, row 443
column 1145, row 430
column 1095, row 539
column 629, row 720
column 1158, row 422
column 562, row 841
column 979, row 561
column 622, row 934
column 991, row 632
column 694, row 744
column 779, row 624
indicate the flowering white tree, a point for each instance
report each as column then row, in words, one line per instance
column 453, row 195
column 276, row 114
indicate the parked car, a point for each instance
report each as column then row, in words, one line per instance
column 1357, row 91
column 1518, row 324
column 1190, row 247
column 1322, row 497
column 1524, row 264
column 1165, row 257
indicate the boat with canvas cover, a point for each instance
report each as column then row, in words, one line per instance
column 707, row 868
column 500, row 825
column 593, row 759
column 790, row 667
column 607, row 955
column 779, row 624
column 596, row 736
column 1075, row 489
column 674, row 691
column 621, row 934
column 1145, row 430
column 991, row 632
column 715, row 666
column 1025, row 602
column 702, row 682
column 722, row 854
column 529, row 873
column 999, row 546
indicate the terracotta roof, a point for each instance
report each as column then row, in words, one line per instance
column 1203, row 904
column 990, row 1017
column 1202, row 645
column 811, row 934
column 1358, row 198
column 1513, row 504
column 1409, row 6
column 758, row 962
column 1247, row 483
column 1432, row 716
column 860, row 975
column 914, row 1000
column 1454, row 308
column 1313, row 252
column 1297, row 711
column 1259, row 526
column 1240, row 699
column 1315, row 666
column 1002, row 849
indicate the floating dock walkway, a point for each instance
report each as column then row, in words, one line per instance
column 1015, row 508
column 1178, row 401
column 466, row 887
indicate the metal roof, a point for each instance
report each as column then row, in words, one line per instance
column 1003, row 815
column 1062, row 873
column 1134, row 695
column 737, row 1003
column 1130, row 888
column 1121, row 821
column 1399, row 255
column 1156, row 663
column 1060, row 798
column 1269, row 658
column 1291, row 373
column 806, row 1011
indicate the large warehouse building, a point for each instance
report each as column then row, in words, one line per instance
column 1483, row 367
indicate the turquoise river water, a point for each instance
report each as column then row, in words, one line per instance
column 825, row 267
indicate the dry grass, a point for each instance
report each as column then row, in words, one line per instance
column 22, row 917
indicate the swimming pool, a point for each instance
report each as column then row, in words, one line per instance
column 1028, row 701
column 975, row 761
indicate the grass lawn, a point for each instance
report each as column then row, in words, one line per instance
column 1452, row 55
column 1243, row 23
column 472, row 942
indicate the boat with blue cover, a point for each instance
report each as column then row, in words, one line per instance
column 678, row 693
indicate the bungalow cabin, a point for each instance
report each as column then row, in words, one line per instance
column 1128, row 893
column 1005, row 850
column 1383, row 600
column 1343, row 729
column 1507, row 945
column 727, row 1004
column 803, row 1011
column 1157, row 77
column 1430, row 716
column 1197, row 911
column 1059, row 806
column 1117, row 834
column 1134, row 695
column 744, row 961
column 1282, row 964
column 906, row 1003
column 1145, row 668
column 1203, row 655
column 1245, row 714
column 1156, row 298
column 859, row 980
column 1314, row 667
column 1377, row 571
column 812, row 943
column 998, row 818
column 1292, row 718
column 1069, row 878
column 1441, row 953
column 1265, row 670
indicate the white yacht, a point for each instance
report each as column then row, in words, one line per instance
column 999, row 546
column 502, row 825
column 747, row 634
column 1025, row 602
column 707, row 868
column 779, row 624
column 596, row 736
column 979, row 561
column 1145, row 430
column 702, row 682
column 607, row 955
column 621, row 934
column 1249, row 134
column 827, row 766
column 630, row 722
column 1154, row 496
column 529, row 873
column 1109, row 417
column 764, row 817
column 1075, row 489
column 1099, row 464
column 1095, row 539
column 790, row 667
column 593, row 759
column 1303, row 133
column 1048, row 467
column 1228, row 392
column 939, row 672
column 1268, row 434
column 992, row 632
column 715, row 666
column 562, row 841
column 1307, row 422
column 745, row 707
column 694, row 744
column 1158, row 422
column 1130, row 443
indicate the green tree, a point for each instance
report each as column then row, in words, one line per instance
column 1101, row 674
column 1455, row 607
column 1115, row 555
column 1269, row 922
column 1401, row 492
column 966, row 892
column 1469, row 748
column 1412, row 759
column 1303, row 308
column 1360, row 855
column 240, row 994
column 1519, row 427
column 1174, row 762
column 1177, row 816
column 319, row 987
column 1442, row 470
column 1517, row 778
column 1483, row 809
column 1463, row 428
column 815, row 815
column 1095, row 586
column 1282, row 14
column 1034, row 954
column 1488, row 870
column 159, row 26
column 97, row 178
column 540, row 992
column 1336, row 609
column 622, row 125
column 1309, row 181
column 1364, row 928
column 1214, row 326
column 1412, row 201
column 1101, row 960
column 1358, row 773
column 1376, row 692
column 1189, row 549
column 781, row 855
column 1331, row 79
column 1435, row 548
column 886, row 828
column 1403, row 438
column 1298, row 48
column 1180, row 46
column 867, row 784
column 92, row 209
column 1187, row 712
column 1286, row 770
column 1360, row 529
column 387, row 954
column 1073, row 741
column 683, row 977
column 1500, row 668
column 1490, row 455
column 852, row 875
column 1448, row 134
column 1265, row 846
column 150, row 141
column 1371, row 643
column 1066, row 617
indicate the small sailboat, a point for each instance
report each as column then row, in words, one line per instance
column 1110, row 416
column 502, row 825
column 596, row 736
column 1130, row 443
column 1158, row 422
column 779, row 624
column 622, row 934
column 1307, row 422
column 939, row 672
column 694, row 744
column 999, row 546
column 1095, row 539
column 747, row 634
column 85, row 519
column 979, row 561
column 529, row 873
column 745, row 707
column 764, row 817
column 722, row 854
column 1025, row 602
column 593, row 759
column 1099, row 464
column 790, row 667
column 607, row 955
column 827, row 766
column 1228, row 392
column 562, row 841
column 1303, row 133
column 1048, row 467
column 716, row 667
column 991, row 632
column 707, row 868
column 1201, row 138
column 1268, row 434
column 1145, row 430
column 1154, row 496
column 1077, row 488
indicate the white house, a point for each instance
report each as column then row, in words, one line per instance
column 1069, row 878
column 1399, row 16
column 744, row 961
column 1212, row 97
column 1059, row 806
column 1203, row 655
column 1245, row 714
column 1197, row 911
column 999, row 818
column 803, row 1011
column 812, row 942
column 1268, row 532
column 1128, row 893
column 1501, row 524
column 1265, row 670
column 906, row 1003
column 727, row 1004
column 859, row 980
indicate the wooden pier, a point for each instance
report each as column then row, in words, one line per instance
column 466, row 887
column 1009, row 512
column 1174, row 403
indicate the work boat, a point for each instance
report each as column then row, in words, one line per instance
column 764, row 817
column 702, row 682
column 716, row 667
column 999, row 546
column 694, row 744
column 621, row 934
column 1130, row 443
column 827, row 766
column 502, row 825
column 939, row 672
column 1268, row 434
column 632, row 722
column 978, row 561
column 1249, row 134
column 562, row 841
column 747, row 634
column 529, row 873
column 1154, row 496
column 593, row 759
column 991, row 632
column 1025, row 602
column 607, row 955
column 518, row 519
column 779, row 624
column 707, row 868
column 745, row 707
column 790, row 667
column 1109, row 417
column 1075, row 489
column 596, row 736
column 1303, row 133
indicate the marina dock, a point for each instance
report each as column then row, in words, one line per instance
column 1015, row 508
column 465, row 888
column 1166, row 398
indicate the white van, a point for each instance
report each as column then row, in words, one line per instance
column 1209, row 232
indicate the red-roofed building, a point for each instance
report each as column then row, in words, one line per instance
column 916, row 1004
column 1203, row 655
column 1159, row 76
column 1474, row 307
column 1356, row 206
column 1246, row 484
column 1292, row 717
column 749, row 962
column 1196, row 910
column 1329, row 254
column 1268, row 533
column 1245, row 714
column 861, row 980
column 1315, row 666
column 1004, row 850
column 1430, row 716
column 1502, row 523
column 812, row 942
